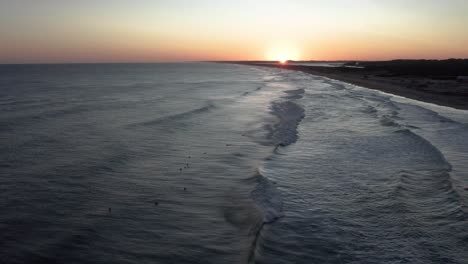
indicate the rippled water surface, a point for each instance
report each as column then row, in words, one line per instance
column 214, row 163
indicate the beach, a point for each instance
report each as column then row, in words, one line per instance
column 441, row 91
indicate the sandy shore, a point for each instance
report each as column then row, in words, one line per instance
column 442, row 92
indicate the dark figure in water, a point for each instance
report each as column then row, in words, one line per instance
column 110, row 210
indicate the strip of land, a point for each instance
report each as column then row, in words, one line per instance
column 439, row 82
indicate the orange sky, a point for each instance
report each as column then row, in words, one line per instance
column 183, row 30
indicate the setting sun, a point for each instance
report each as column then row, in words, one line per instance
column 282, row 58
column 282, row 54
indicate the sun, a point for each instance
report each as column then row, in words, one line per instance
column 280, row 58
column 282, row 54
column 283, row 60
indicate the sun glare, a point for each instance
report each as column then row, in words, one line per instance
column 282, row 55
column 281, row 58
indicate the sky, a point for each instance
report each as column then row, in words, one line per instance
column 57, row 31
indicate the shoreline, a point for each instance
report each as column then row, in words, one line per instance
column 441, row 92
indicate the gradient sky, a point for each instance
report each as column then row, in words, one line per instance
column 40, row 31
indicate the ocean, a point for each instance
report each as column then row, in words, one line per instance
column 222, row 163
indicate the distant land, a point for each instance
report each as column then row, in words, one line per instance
column 443, row 82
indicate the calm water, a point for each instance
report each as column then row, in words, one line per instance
column 213, row 163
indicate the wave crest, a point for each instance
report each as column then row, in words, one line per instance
column 284, row 132
column 176, row 117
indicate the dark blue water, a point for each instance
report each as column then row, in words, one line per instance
column 213, row 163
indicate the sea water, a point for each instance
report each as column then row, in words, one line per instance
column 220, row 163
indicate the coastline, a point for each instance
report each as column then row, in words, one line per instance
column 441, row 92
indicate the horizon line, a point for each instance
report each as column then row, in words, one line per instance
column 213, row 61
